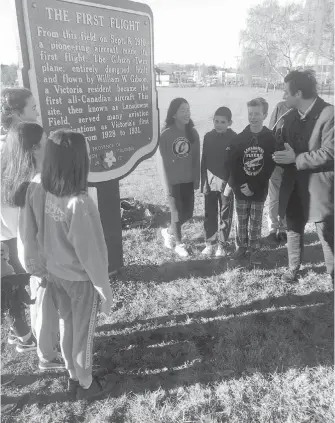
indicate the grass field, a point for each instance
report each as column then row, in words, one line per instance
column 195, row 340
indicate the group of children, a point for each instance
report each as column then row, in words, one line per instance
column 234, row 168
column 53, row 229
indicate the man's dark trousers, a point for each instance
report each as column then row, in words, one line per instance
column 296, row 223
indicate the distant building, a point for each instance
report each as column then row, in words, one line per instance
column 163, row 80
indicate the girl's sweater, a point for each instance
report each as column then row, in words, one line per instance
column 63, row 236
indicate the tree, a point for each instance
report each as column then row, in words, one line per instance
column 212, row 70
column 254, row 64
column 318, row 33
column 9, row 75
column 273, row 31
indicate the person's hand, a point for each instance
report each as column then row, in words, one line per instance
column 246, row 191
column 227, row 191
column 106, row 298
column 106, row 306
column 205, row 189
column 286, row 156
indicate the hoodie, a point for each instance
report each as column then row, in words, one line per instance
column 63, row 236
column 213, row 157
column 250, row 161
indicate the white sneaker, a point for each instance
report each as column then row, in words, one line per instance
column 220, row 252
column 168, row 239
column 208, row 250
column 181, row 250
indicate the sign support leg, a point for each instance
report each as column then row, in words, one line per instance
column 108, row 194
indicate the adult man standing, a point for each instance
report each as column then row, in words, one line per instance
column 277, row 226
column 307, row 189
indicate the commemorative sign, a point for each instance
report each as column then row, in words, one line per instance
column 90, row 66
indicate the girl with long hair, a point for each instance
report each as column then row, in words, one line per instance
column 22, row 151
column 21, row 156
column 179, row 166
column 64, row 242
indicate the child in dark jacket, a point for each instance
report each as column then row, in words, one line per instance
column 249, row 166
column 213, row 184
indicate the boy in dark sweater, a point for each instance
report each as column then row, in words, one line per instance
column 249, row 167
column 213, row 184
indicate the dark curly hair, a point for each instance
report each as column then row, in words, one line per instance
column 304, row 81
column 172, row 110
column 13, row 101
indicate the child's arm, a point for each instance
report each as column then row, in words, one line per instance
column 261, row 181
column 28, row 249
column 196, row 160
column 87, row 237
column 204, row 188
column 161, row 167
column 227, row 165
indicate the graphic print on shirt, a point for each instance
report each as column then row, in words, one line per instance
column 54, row 211
column 181, row 147
column 253, row 160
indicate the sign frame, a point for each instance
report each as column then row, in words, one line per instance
column 29, row 78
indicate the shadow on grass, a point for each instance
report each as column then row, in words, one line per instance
column 207, row 267
column 291, row 331
column 41, row 399
column 170, row 271
column 221, row 344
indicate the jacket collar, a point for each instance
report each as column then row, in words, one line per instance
column 313, row 114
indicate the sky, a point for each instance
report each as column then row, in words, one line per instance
column 185, row 31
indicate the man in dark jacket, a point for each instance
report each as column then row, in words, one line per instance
column 307, row 155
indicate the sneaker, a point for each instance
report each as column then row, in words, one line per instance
column 168, row 239
column 72, row 387
column 181, row 250
column 271, row 239
column 12, row 338
column 239, row 253
column 290, row 276
column 220, row 252
column 257, row 257
column 282, row 237
column 99, row 387
column 208, row 250
column 21, row 346
column 56, row 364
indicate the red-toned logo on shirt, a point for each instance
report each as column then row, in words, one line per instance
column 181, row 147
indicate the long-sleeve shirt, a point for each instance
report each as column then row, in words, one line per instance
column 250, row 162
column 178, row 159
column 63, row 236
column 214, row 153
column 9, row 214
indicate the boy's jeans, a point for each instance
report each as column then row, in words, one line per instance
column 218, row 205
